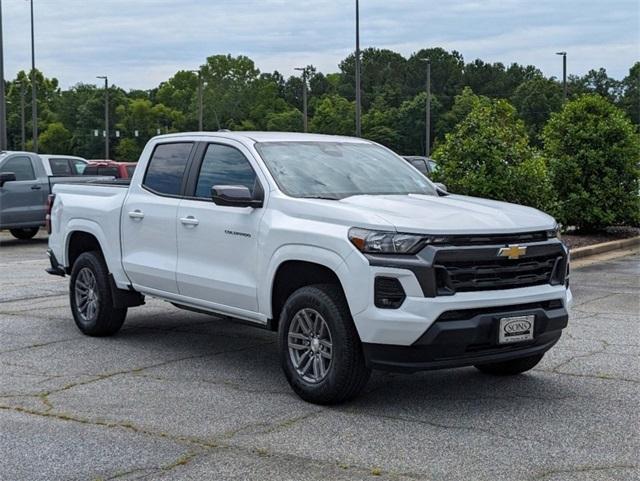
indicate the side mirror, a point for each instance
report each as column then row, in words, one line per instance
column 6, row 177
column 236, row 196
column 441, row 186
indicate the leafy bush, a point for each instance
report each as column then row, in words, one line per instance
column 488, row 155
column 593, row 154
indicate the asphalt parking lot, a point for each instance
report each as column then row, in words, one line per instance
column 183, row 396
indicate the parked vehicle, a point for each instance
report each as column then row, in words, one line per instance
column 353, row 257
column 425, row 165
column 119, row 170
column 63, row 165
column 24, row 187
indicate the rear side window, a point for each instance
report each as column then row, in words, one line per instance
column 77, row 166
column 420, row 165
column 224, row 165
column 21, row 166
column 60, row 167
column 90, row 170
column 130, row 170
column 167, row 168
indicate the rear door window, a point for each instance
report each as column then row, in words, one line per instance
column 77, row 166
column 60, row 167
column 167, row 167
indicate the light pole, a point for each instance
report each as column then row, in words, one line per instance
column 106, row 115
column 23, row 135
column 305, row 117
column 428, row 109
column 200, row 100
column 3, row 103
column 564, row 74
column 358, row 99
column 34, row 88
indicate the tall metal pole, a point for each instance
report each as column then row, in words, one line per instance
column 3, row 104
column 358, row 96
column 200, row 102
column 106, row 116
column 34, row 91
column 564, row 74
column 305, row 115
column 23, row 120
column 428, row 111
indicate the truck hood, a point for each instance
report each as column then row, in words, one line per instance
column 451, row 214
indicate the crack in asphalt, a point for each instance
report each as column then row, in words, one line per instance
column 580, row 469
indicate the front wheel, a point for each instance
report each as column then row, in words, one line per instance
column 24, row 234
column 90, row 297
column 510, row 368
column 320, row 350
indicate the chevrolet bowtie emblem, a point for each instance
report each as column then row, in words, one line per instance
column 512, row 252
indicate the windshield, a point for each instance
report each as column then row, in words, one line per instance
column 337, row 170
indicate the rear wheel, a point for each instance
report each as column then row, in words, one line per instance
column 510, row 368
column 24, row 234
column 90, row 297
column 320, row 350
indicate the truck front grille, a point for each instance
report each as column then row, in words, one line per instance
column 488, row 272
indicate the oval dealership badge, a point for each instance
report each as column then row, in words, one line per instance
column 517, row 326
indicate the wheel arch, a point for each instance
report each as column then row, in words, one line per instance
column 298, row 266
column 83, row 236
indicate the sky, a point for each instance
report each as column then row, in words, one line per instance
column 140, row 43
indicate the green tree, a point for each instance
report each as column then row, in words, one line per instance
column 56, row 139
column 462, row 106
column 593, row 154
column 630, row 99
column 536, row 100
column 288, row 121
column 334, row 115
column 411, row 123
column 488, row 155
column 128, row 150
column 446, row 74
column 380, row 124
column 383, row 75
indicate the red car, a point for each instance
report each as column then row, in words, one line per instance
column 119, row 170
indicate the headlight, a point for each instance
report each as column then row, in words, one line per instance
column 380, row 242
column 554, row 233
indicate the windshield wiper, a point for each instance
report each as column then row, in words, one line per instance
column 324, row 197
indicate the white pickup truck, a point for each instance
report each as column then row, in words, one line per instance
column 356, row 259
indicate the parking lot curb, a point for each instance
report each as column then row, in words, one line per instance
column 595, row 249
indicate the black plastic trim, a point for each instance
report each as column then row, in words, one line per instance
column 469, row 341
column 56, row 268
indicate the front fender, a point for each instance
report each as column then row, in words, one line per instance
column 304, row 253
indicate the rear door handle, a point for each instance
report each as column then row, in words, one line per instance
column 36, row 187
column 189, row 221
column 136, row 214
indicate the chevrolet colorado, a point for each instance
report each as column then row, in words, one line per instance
column 357, row 260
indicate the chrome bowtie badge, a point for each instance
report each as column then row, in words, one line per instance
column 512, row 251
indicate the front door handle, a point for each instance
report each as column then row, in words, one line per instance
column 136, row 214
column 36, row 187
column 189, row 221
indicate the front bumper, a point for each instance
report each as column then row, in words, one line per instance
column 468, row 337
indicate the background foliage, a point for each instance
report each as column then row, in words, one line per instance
column 238, row 96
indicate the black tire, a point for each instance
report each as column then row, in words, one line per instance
column 347, row 373
column 105, row 320
column 24, row 234
column 510, row 368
